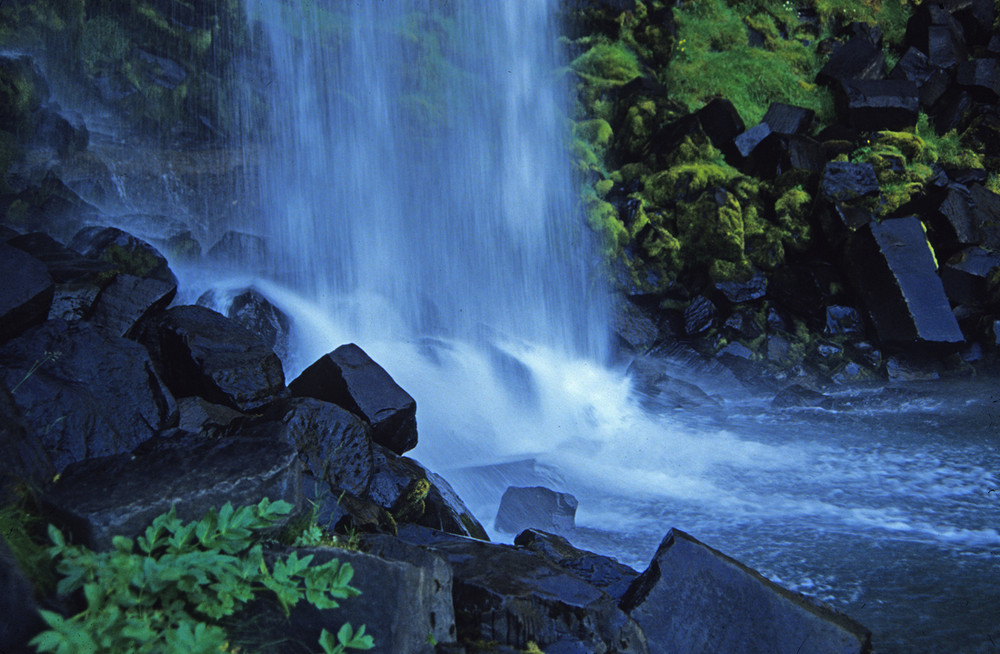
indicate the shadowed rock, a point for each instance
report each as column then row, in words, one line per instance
column 536, row 507
column 26, row 293
column 603, row 572
column 693, row 598
column 349, row 378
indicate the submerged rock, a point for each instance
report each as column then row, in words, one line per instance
column 536, row 507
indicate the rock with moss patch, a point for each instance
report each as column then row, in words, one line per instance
column 123, row 251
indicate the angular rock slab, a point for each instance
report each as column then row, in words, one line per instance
column 123, row 251
column 512, row 595
column 694, row 599
column 84, row 393
column 201, row 352
column 349, row 378
column 100, row 498
column 535, row 507
column 127, row 300
column 401, row 604
column 26, row 293
column 609, row 575
column 895, row 271
column 21, row 620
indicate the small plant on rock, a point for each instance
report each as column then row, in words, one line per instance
column 167, row 590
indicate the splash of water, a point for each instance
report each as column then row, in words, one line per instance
column 414, row 168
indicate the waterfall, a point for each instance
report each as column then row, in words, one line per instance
column 412, row 171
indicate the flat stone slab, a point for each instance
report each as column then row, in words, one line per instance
column 697, row 600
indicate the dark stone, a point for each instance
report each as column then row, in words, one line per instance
column 84, row 393
column 778, row 348
column 198, row 416
column 21, row 620
column 201, row 352
column 55, row 208
column 987, row 217
column 127, row 300
column 124, row 252
column 659, row 391
column 602, row 572
column 635, row 328
column 334, row 445
column 440, row 609
column 699, row 316
column 954, row 224
column 78, row 279
column 26, row 294
column 413, row 494
column 900, row 368
column 932, row 30
column 916, row 67
column 120, row 495
column 401, row 604
column 802, row 153
column 895, row 272
column 858, row 58
column 721, row 123
column 745, row 291
column 804, row 289
column 976, row 18
column 799, row 396
column 966, row 276
column 160, row 70
column 57, row 132
column 788, row 120
column 25, row 460
column 513, row 595
column 843, row 321
column 667, row 139
column 348, row 377
column 981, row 77
column 951, row 111
column 693, row 598
column 183, row 247
column 843, row 180
column 882, row 104
column 745, row 324
column 238, row 249
column 535, row 507
column 255, row 313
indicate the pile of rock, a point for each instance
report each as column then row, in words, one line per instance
column 116, row 406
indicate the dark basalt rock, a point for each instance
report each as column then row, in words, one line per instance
column 78, row 279
column 843, row 321
column 25, row 459
column 84, row 393
column 198, row 416
column 802, row 153
column 238, row 249
column 635, row 328
column 602, row 572
column 127, row 300
column 981, row 77
column 120, row 495
column 721, row 123
column 349, row 378
column 512, row 595
column 201, row 352
column 254, row 312
column 951, row 111
column 932, row 30
column 26, row 294
column 693, row 598
column 55, row 208
column 659, row 391
column 760, row 151
column 966, row 276
column 788, row 120
column 931, row 81
column 21, row 620
column 894, row 270
column 334, row 445
column 968, row 215
column 125, row 252
column 744, row 291
column 402, row 603
column 843, row 180
column 880, row 104
column 535, row 507
column 699, row 316
column 976, row 18
column 745, row 324
column 797, row 396
column 858, row 58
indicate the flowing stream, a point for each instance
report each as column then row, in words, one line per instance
column 412, row 184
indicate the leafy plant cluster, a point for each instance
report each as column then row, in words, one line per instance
column 167, row 590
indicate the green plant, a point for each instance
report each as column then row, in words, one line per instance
column 167, row 590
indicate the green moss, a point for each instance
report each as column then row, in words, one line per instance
column 24, row 532
column 603, row 219
column 607, row 63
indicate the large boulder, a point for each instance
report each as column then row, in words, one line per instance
column 255, row 313
column 125, row 252
column 127, row 300
column 348, row 377
column 21, row 620
column 26, row 294
column 513, row 595
column 402, row 603
column 120, row 495
column 78, row 279
column 203, row 353
column 895, row 272
column 84, row 393
column 609, row 575
column 535, row 507
column 25, row 460
column 694, row 599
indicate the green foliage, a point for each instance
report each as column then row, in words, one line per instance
column 19, row 528
column 167, row 590
column 607, row 63
column 946, row 149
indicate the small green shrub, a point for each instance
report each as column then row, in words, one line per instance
column 167, row 590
